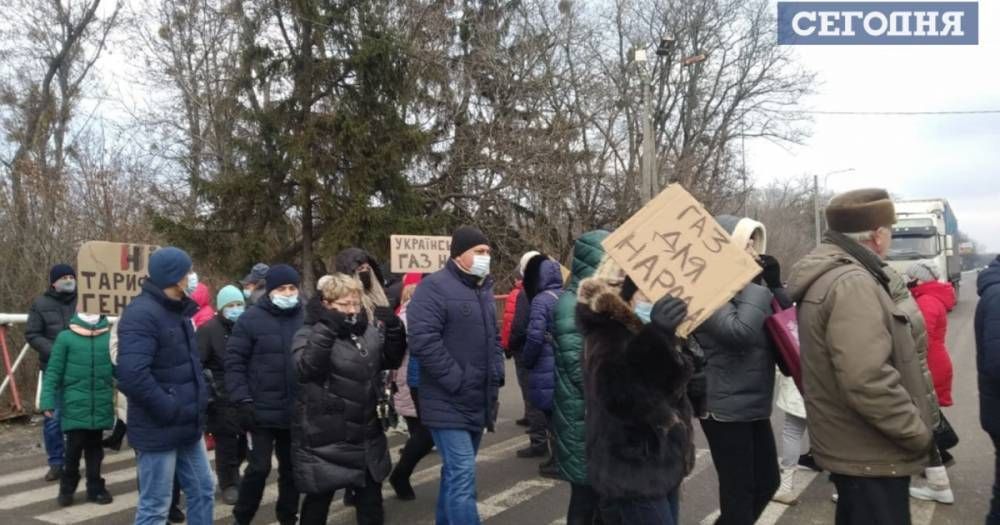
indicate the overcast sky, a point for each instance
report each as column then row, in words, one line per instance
column 956, row 157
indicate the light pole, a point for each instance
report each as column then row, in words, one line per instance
column 647, row 179
column 816, row 199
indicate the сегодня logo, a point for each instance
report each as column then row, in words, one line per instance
column 886, row 23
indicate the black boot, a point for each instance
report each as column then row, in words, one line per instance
column 114, row 441
column 401, row 484
column 534, row 450
column 54, row 473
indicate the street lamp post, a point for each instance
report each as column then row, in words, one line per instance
column 647, row 179
column 816, row 207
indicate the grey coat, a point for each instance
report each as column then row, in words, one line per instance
column 739, row 360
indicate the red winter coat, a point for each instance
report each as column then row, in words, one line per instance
column 935, row 300
column 203, row 298
column 509, row 308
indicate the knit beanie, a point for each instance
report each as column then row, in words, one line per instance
column 922, row 272
column 228, row 294
column 524, row 261
column 860, row 211
column 256, row 275
column 280, row 275
column 168, row 266
column 59, row 271
column 465, row 239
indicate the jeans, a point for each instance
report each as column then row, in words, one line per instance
column 791, row 440
column 456, row 503
column 583, row 506
column 872, row 501
column 747, row 463
column 664, row 511
column 83, row 443
column 368, row 508
column 993, row 518
column 52, row 435
column 264, row 443
column 156, row 480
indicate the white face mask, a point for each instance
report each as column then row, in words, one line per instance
column 89, row 318
column 192, row 283
column 480, row 265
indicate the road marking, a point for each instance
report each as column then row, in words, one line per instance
column 921, row 512
column 492, row 454
column 710, row 519
column 512, row 497
column 36, row 474
column 774, row 510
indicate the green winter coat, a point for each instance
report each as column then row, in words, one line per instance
column 81, row 375
column 568, row 405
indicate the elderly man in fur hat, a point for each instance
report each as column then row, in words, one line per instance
column 869, row 420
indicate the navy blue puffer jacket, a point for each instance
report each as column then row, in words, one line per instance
column 259, row 365
column 988, row 348
column 452, row 326
column 159, row 371
column 543, row 285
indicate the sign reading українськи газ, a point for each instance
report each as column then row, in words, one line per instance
column 878, row 23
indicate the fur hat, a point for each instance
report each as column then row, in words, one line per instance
column 860, row 211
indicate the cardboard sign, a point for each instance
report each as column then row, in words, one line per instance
column 674, row 246
column 110, row 274
column 418, row 253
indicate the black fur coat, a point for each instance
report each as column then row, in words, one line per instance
column 639, row 420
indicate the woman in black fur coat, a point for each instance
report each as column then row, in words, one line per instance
column 639, row 431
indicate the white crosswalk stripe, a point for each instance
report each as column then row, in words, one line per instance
column 35, row 474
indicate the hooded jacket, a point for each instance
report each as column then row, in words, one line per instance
column 453, row 334
column 935, row 300
column 203, row 299
column 258, row 362
column 568, row 403
column 739, row 360
column 336, row 433
column 640, row 438
column 864, row 390
column 988, row 348
column 159, row 371
column 49, row 315
column 543, row 286
column 80, row 373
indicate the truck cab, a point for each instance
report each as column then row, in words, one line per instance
column 925, row 231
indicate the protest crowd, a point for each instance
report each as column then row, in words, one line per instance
column 613, row 381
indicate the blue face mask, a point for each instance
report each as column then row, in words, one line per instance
column 233, row 312
column 285, row 302
column 643, row 311
column 246, row 293
column 192, row 283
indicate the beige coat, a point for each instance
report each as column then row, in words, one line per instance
column 865, row 393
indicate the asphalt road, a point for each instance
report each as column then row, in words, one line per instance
column 511, row 492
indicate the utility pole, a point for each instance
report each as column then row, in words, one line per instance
column 816, row 206
column 646, row 191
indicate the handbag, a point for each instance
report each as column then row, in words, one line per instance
column 783, row 327
column 944, row 435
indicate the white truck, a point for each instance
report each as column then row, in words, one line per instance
column 926, row 231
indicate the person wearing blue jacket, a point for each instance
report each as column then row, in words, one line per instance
column 987, row 326
column 542, row 287
column 261, row 382
column 159, row 371
column 453, row 334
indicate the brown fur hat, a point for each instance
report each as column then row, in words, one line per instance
column 860, row 211
column 603, row 297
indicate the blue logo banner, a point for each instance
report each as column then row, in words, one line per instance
column 878, row 23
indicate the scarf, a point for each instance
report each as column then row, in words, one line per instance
column 868, row 259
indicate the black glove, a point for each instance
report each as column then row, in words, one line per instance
column 245, row 416
column 668, row 313
column 772, row 271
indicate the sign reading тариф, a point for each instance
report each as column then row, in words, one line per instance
column 110, row 274
column 672, row 246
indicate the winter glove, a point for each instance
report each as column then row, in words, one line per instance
column 772, row 271
column 668, row 313
column 245, row 416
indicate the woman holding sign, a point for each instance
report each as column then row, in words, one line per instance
column 740, row 371
column 639, row 429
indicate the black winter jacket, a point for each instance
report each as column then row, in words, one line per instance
column 212, row 338
column 258, row 362
column 640, row 439
column 49, row 315
column 336, row 434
